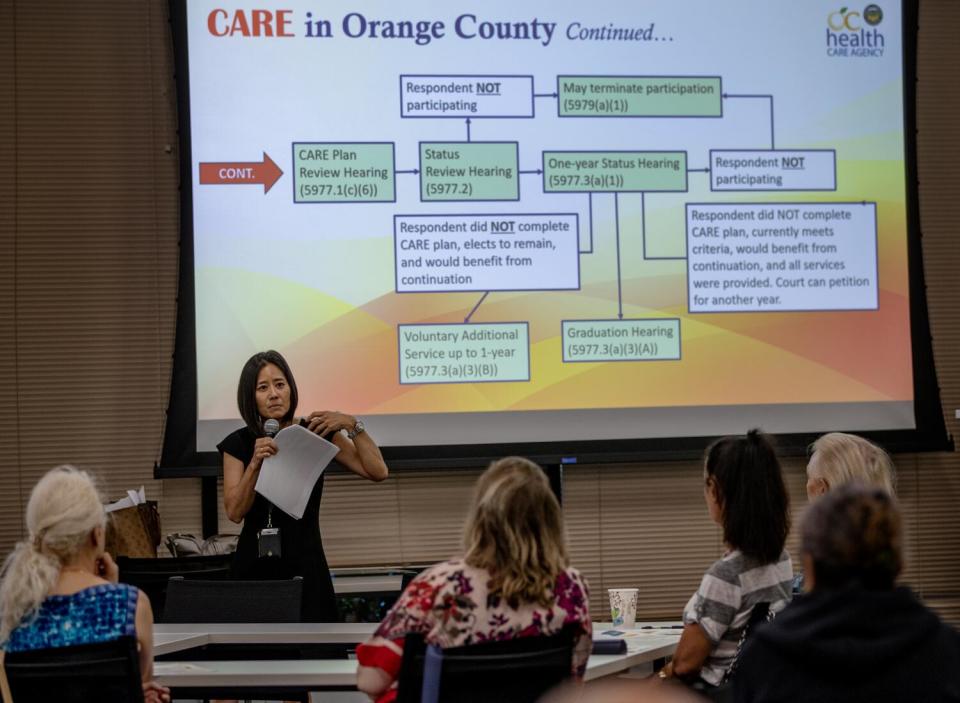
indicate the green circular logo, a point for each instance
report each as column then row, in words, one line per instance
column 873, row 15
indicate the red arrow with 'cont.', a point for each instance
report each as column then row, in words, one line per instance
column 228, row 173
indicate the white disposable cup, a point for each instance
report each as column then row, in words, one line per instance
column 623, row 606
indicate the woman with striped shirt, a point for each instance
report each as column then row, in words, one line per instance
column 746, row 497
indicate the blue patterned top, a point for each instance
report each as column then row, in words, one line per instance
column 96, row 614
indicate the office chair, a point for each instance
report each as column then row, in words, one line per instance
column 197, row 601
column 151, row 575
column 519, row 670
column 191, row 601
column 106, row 672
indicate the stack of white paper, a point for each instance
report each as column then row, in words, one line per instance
column 287, row 478
column 133, row 498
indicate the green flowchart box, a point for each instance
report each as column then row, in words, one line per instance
column 469, row 171
column 614, row 171
column 639, row 96
column 344, row 172
column 464, row 353
column 621, row 340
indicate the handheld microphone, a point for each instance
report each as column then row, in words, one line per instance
column 271, row 427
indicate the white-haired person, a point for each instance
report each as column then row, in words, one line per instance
column 513, row 581
column 839, row 458
column 59, row 587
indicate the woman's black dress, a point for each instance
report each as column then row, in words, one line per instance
column 301, row 547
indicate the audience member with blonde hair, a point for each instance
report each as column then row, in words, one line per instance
column 838, row 458
column 59, row 587
column 855, row 636
column 513, row 581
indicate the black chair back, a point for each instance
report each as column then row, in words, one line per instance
column 151, row 575
column 406, row 576
column 106, row 672
column 519, row 670
column 191, row 601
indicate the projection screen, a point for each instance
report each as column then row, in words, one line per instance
column 552, row 223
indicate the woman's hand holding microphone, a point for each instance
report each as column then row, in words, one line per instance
column 264, row 447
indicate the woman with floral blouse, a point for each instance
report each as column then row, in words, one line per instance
column 513, row 581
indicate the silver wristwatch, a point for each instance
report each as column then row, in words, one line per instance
column 357, row 429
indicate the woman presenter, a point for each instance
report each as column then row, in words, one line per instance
column 274, row 545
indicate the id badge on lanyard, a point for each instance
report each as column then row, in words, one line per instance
column 268, row 539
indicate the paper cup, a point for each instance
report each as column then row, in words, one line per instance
column 623, row 606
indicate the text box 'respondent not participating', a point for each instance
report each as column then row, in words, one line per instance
column 446, row 96
column 773, row 169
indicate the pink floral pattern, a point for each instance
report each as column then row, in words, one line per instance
column 451, row 605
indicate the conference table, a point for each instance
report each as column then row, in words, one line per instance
column 169, row 638
column 647, row 642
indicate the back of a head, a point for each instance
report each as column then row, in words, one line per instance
column 64, row 509
column 840, row 458
column 853, row 536
column 753, row 497
column 515, row 531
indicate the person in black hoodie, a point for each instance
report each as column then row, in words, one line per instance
column 854, row 636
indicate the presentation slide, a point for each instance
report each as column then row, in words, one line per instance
column 553, row 221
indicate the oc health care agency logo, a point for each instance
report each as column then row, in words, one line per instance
column 855, row 33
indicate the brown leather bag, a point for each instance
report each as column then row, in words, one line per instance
column 134, row 532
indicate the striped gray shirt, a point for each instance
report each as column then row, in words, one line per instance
column 727, row 594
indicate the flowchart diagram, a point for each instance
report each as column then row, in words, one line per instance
column 765, row 255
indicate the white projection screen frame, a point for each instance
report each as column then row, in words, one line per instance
column 580, row 230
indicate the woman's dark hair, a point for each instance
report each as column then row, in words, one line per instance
column 751, row 493
column 247, row 389
column 853, row 536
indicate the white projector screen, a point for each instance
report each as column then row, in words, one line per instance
column 553, row 221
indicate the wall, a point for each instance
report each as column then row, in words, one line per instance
column 89, row 228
